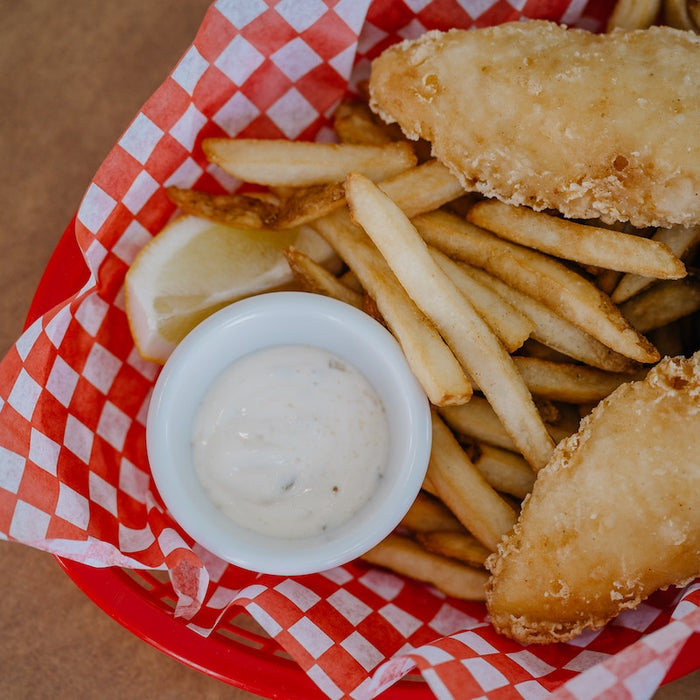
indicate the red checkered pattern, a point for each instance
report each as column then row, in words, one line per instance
column 74, row 478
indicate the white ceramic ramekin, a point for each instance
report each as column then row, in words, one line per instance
column 281, row 318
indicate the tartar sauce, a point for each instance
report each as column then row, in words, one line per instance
column 290, row 441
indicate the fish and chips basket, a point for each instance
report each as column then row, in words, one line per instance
column 74, row 392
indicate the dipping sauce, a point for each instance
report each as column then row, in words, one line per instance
column 290, row 441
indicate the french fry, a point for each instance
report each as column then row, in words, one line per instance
column 349, row 279
column 478, row 420
column 464, row 490
column 428, row 514
column 571, row 383
column 634, row 14
column 313, row 277
column 456, row 545
column 682, row 14
column 354, row 122
column 350, row 117
column 416, row 190
column 506, row 321
column 546, row 279
column 554, row 331
column 369, row 306
column 237, row 210
column 429, row 487
column 506, row 471
column 663, row 303
column 422, row 189
column 472, row 341
column 303, row 205
column 403, row 555
column 534, row 348
column 607, row 280
column 679, row 239
column 262, row 210
column 430, row 359
column 277, row 162
column 548, row 410
column 582, row 243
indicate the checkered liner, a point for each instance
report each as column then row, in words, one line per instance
column 74, row 478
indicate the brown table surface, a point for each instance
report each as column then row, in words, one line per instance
column 72, row 75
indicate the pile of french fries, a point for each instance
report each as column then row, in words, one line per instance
column 515, row 322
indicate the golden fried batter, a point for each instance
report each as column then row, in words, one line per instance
column 613, row 517
column 596, row 126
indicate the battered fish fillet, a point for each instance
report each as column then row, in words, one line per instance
column 596, row 126
column 612, row 518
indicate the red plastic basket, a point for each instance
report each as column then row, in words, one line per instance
column 238, row 651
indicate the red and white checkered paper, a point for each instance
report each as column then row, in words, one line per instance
column 74, row 477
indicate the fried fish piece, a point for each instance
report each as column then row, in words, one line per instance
column 612, row 518
column 595, row 126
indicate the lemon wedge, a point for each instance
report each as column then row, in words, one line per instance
column 195, row 267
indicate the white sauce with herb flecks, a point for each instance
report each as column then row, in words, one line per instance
column 290, row 441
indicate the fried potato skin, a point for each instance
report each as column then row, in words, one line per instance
column 612, row 518
column 596, row 126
